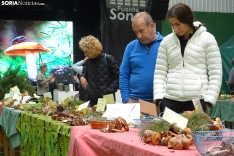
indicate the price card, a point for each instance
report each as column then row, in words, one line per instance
column 101, row 105
column 197, row 105
column 67, row 101
column 83, row 106
column 77, row 107
column 109, row 99
column 173, row 117
column 47, row 94
column 52, row 104
column 84, row 110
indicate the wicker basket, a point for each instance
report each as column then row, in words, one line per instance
column 211, row 142
column 100, row 124
column 142, row 123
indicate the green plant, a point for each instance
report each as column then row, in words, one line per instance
column 221, row 92
column 13, row 76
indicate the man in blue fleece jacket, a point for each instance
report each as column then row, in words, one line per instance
column 138, row 63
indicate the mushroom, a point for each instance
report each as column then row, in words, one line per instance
column 20, row 46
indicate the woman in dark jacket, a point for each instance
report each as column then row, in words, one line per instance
column 101, row 75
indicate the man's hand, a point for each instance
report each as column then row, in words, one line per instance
column 132, row 100
column 158, row 102
column 52, row 79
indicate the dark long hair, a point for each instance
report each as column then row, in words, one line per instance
column 182, row 12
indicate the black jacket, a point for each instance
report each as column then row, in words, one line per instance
column 102, row 75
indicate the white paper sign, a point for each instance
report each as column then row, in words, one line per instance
column 17, row 97
column 84, row 105
column 173, row 117
column 7, row 96
column 197, row 105
column 13, row 92
column 25, row 98
column 36, row 96
column 126, row 111
column 14, row 88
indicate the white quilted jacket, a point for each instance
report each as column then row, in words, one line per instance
column 196, row 75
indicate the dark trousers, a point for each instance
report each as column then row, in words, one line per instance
column 180, row 106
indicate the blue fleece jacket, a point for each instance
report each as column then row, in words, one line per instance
column 137, row 70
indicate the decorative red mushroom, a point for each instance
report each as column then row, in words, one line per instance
column 27, row 49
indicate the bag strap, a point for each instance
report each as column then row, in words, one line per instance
column 106, row 60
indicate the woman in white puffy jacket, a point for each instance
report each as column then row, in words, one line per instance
column 188, row 64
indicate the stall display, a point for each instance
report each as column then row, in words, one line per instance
column 45, row 127
column 40, row 135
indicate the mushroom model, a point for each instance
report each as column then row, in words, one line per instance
column 20, row 46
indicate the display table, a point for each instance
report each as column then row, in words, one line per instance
column 223, row 109
column 62, row 95
column 85, row 141
column 8, row 121
column 42, row 136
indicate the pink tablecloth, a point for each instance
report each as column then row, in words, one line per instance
column 85, row 141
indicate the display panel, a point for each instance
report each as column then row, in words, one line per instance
column 56, row 36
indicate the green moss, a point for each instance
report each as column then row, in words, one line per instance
column 195, row 123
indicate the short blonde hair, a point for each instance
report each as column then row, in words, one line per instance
column 90, row 45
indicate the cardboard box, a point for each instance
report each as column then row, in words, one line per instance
column 149, row 108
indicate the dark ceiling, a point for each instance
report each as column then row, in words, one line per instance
column 64, row 10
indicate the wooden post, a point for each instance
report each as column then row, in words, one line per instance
column 6, row 143
column 8, row 151
column 1, row 140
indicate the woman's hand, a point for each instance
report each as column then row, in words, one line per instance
column 83, row 82
column 85, row 59
column 75, row 78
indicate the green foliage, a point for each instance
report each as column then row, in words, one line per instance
column 197, row 120
column 158, row 125
column 195, row 123
column 14, row 77
column 221, row 92
column 76, row 102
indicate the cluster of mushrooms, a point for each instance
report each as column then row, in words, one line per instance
column 116, row 126
column 225, row 149
column 177, row 138
column 174, row 138
column 75, row 118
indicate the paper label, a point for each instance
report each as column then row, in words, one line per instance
column 84, row 110
column 173, row 117
column 109, row 99
column 52, row 104
column 197, row 105
column 47, row 94
column 101, row 105
column 67, row 101
column 14, row 88
column 77, row 107
column 83, row 106
column 127, row 111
